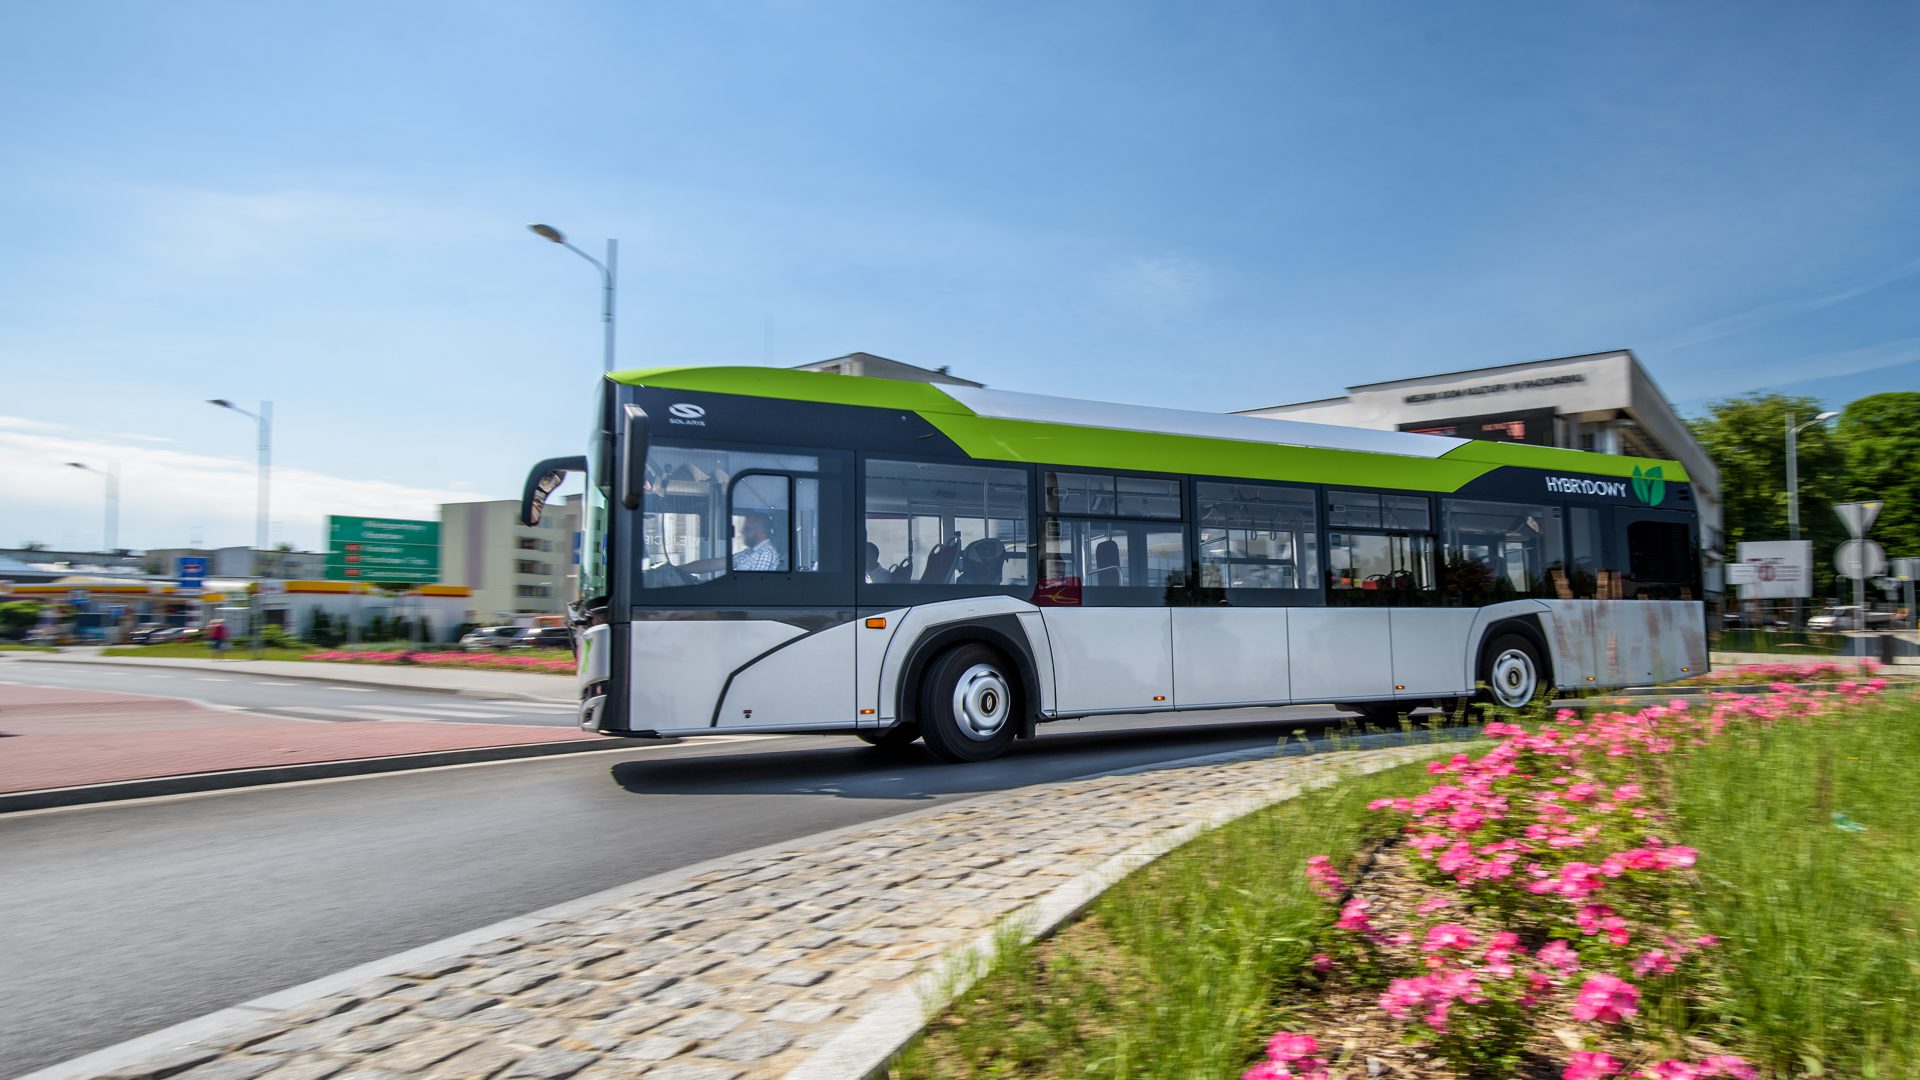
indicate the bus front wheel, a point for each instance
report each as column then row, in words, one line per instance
column 969, row 704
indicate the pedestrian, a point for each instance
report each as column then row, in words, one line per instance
column 217, row 635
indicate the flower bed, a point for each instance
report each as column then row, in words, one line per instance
column 478, row 661
column 1534, row 915
column 1803, row 672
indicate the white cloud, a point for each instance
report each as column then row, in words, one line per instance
column 168, row 497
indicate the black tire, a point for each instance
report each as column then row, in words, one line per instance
column 897, row 737
column 969, row 704
column 1513, row 673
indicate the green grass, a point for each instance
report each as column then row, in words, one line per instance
column 1175, row 971
column 1821, row 924
column 14, row 646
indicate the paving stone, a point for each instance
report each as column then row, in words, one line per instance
column 708, row 1024
column 477, row 1062
column 552, row 1063
column 654, row 1048
column 378, row 1037
column 514, row 982
column 307, row 1068
column 419, row 1053
column 232, row 1068
column 696, row 1070
column 433, row 969
column 453, row 1006
column 682, row 995
column 318, row 1009
column 802, row 1012
column 753, row 1044
column 536, row 1033
column 795, row 976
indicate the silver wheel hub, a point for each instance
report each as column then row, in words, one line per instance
column 1513, row 678
column 981, row 702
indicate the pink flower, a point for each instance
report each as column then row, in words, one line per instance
column 1449, row 936
column 1289, row 1046
column 1591, row 1065
column 1353, row 916
column 1402, row 996
column 1326, row 880
column 1656, row 961
column 1322, row 963
column 1605, row 999
column 1559, row 955
column 1432, row 904
column 1728, row 1065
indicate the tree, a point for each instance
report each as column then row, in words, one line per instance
column 1882, row 436
column 32, row 545
column 19, row 616
column 1747, row 439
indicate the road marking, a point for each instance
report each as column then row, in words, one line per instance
column 553, row 706
column 159, row 676
column 362, row 713
column 210, row 678
column 354, row 689
column 262, row 684
column 437, row 711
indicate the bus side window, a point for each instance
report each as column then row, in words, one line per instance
column 762, row 519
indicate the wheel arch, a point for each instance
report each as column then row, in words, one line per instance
column 1002, row 633
column 1527, row 626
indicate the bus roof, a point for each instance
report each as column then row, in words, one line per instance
column 1003, row 420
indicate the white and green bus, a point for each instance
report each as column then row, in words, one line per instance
column 785, row 551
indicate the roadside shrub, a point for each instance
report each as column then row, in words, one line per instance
column 17, row 617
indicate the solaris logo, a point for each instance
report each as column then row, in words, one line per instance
column 1650, row 487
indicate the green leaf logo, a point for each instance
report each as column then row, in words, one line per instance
column 1650, row 487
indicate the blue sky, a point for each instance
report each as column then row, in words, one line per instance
column 1215, row 206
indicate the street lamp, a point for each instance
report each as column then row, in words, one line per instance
column 549, row 233
column 1793, row 484
column 263, row 418
column 113, row 503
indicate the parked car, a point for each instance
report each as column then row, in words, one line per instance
column 484, row 638
column 143, row 634
column 1847, row 617
column 544, row 637
column 173, row 635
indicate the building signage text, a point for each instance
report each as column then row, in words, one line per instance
column 1495, row 388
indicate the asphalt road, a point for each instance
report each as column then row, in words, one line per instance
column 304, row 699
column 119, row 919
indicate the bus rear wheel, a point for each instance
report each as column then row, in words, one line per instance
column 969, row 704
column 897, row 737
column 1512, row 672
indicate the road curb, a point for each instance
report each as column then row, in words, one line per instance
column 193, row 783
column 181, row 1042
column 335, row 676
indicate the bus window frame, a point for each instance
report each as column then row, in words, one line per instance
column 1223, row 596
column 1167, row 596
column 1434, row 596
column 893, row 595
column 789, row 588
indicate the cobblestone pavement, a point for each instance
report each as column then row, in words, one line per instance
column 750, row 966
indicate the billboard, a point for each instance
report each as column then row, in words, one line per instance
column 383, row 549
column 1777, row 570
column 1531, row 426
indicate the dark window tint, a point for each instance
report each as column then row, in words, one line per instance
column 1660, row 561
column 1372, row 510
column 1499, row 551
column 1104, row 495
column 1257, row 536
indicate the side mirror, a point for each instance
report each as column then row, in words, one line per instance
column 541, row 483
column 633, row 460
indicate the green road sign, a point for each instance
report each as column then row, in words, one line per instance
column 366, row 530
column 383, row 549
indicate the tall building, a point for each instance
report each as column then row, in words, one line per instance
column 513, row 569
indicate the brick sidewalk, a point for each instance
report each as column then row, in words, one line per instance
column 433, row 680
column 56, row 738
column 760, row 965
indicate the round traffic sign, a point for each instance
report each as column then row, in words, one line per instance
column 1860, row 559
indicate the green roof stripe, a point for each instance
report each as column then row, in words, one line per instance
column 821, row 386
column 1149, row 451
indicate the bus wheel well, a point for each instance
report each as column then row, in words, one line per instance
column 1002, row 634
column 1524, row 626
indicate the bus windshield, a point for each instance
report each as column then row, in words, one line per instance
column 708, row 511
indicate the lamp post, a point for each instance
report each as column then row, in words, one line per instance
column 1793, row 484
column 548, row 232
column 112, row 533
column 264, row 420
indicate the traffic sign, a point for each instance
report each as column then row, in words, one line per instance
column 1903, row 569
column 1860, row 559
column 190, row 571
column 364, row 530
column 78, row 596
column 1781, row 569
column 1859, row 516
column 1739, row 573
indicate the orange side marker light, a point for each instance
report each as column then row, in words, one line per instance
column 877, row 624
